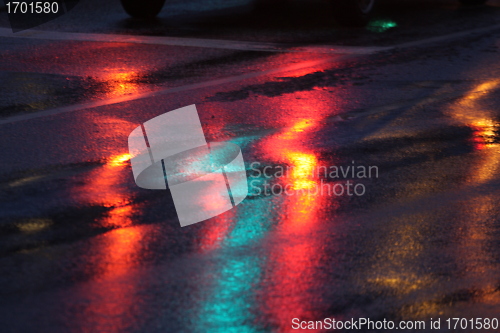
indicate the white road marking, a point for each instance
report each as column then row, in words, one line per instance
column 348, row 52
column 456, row 35
column 191, row 42
column 231, row 44
column 94, row 104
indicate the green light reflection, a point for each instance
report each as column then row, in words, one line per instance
column 381, row 25
column 231, row 303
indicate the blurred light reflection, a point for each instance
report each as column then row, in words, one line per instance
column 229, row 300
column 120, row 84
column 293, row 260
column 111, row 303
column 477, row 215
column 244, row 282
column 381, row 25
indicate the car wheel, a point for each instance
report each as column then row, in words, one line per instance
column 472, row 2
column 142, row 8
column 353, row 12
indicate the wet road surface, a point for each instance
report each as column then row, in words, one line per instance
column 412, row 234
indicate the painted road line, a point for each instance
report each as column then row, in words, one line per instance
column 456, row 35
column 234, row 45
column 206, row 84
column 212, row 83
column 191, row 42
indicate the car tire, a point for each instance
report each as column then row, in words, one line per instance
column 353, row 12
column 142, row 8
column 472, row 2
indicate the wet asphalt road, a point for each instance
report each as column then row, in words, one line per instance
column 83, row 249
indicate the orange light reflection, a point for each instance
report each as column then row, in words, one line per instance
column 114, row 254
column 120, row 84
column 293, row 259
column 480, row 211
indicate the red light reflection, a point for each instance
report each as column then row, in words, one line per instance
column 116, row 253
column 112, row 296
column 293, row 259
column 215, row 230
column 483, row 134
column 120, row 84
